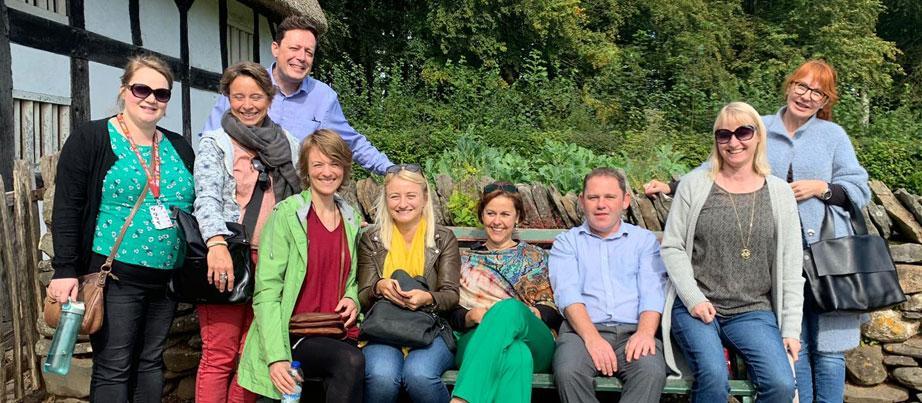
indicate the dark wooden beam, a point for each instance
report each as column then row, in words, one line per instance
column 184, row 6
column 79, row 92
column 79, row 72
column 77, row 17
column 134, row 12
column 7, row 139
column 222, row 32
column 255, row 36
column 82, row 44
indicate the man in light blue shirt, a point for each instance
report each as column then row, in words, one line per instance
column 302, row 104
column 609, row 283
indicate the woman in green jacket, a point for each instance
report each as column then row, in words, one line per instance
column 307, row 244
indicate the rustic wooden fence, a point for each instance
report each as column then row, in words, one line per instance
column 21, row 292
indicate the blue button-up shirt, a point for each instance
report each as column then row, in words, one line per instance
column 313, row 106
column 616, row 277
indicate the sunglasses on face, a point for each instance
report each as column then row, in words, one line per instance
column 742, row 133
column 504, row 186
column 816, row 95
column 400, row 167
column 142, row 91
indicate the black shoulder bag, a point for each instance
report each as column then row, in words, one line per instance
column 190, row 282
column 390, row 324
column 853, row 273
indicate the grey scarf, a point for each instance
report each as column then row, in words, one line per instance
column 271, row 145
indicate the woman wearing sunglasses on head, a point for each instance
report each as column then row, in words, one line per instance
column 816, row 158
column 733, row 253
column 507, row 307
column 104, row 167
column 406, row 237
column 241, row 170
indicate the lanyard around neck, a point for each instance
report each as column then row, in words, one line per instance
column 152, row 172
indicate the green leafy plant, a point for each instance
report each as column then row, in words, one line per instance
column 463, row 209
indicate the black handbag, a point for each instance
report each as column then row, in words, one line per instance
column 853, row 273
column 189, row 283
column 390, row 324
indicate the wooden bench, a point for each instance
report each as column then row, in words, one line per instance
column 468, row 236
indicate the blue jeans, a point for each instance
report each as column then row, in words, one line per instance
column 386, row 370
column 820, row 375
column 754, row 335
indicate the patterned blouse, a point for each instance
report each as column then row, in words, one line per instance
column 143, row 245
column 489, row 276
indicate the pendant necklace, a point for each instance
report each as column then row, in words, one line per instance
column 745, row 252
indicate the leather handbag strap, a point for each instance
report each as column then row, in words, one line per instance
column 106, row 268
column 256, row 200
column 856, row 219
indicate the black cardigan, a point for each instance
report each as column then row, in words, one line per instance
column 84, row 162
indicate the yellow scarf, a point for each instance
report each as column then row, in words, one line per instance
column 411, row 259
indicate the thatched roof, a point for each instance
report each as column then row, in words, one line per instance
column 309, row 8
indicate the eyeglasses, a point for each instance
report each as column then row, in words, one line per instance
column 504, row 186
column 816, row 95
column 400, row 167
column 742, row 133
column 142, row 91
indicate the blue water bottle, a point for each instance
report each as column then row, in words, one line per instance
column 65, row 337
column 295, row 372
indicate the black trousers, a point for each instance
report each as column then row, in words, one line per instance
column 128, row 349
column 339, row 363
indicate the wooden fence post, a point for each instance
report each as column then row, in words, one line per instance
column 27, row 229
column 11, row 281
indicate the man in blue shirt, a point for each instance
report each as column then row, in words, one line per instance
column 609, row 282
column 303, row 104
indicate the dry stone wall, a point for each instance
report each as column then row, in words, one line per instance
column 884, row 369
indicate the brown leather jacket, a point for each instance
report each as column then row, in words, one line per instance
column 441, row 269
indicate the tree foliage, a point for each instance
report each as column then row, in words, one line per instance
column 615, row 76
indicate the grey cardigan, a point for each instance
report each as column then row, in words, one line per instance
column 678, row 243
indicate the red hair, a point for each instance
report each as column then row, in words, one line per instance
column 824, row 74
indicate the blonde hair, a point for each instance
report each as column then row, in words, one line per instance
column 329, row 143
column 383, row 217
column 743, row 114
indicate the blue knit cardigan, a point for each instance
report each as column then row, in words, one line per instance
column 821, row 150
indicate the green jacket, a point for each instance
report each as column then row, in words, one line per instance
column 280, row 273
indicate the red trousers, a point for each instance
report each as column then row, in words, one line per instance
column 223, row 330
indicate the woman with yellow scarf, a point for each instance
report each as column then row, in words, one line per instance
column 406, row 237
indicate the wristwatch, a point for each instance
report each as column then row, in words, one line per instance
column 827, row 194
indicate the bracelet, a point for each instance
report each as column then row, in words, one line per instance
column 215, row 243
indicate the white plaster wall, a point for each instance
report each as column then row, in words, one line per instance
column 160, row 26
column 110, row 18
column 40, row 72
column 204, row 36
column 173, row 119
column 104, row 84
column 265, row 43
column 200, row 107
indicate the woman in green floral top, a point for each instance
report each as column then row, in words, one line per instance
column 506, row 310
column 104, row 166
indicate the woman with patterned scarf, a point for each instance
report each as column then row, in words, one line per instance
column 507, row 310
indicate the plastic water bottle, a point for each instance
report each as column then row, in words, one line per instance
column 295, row 372
column 65, row 337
